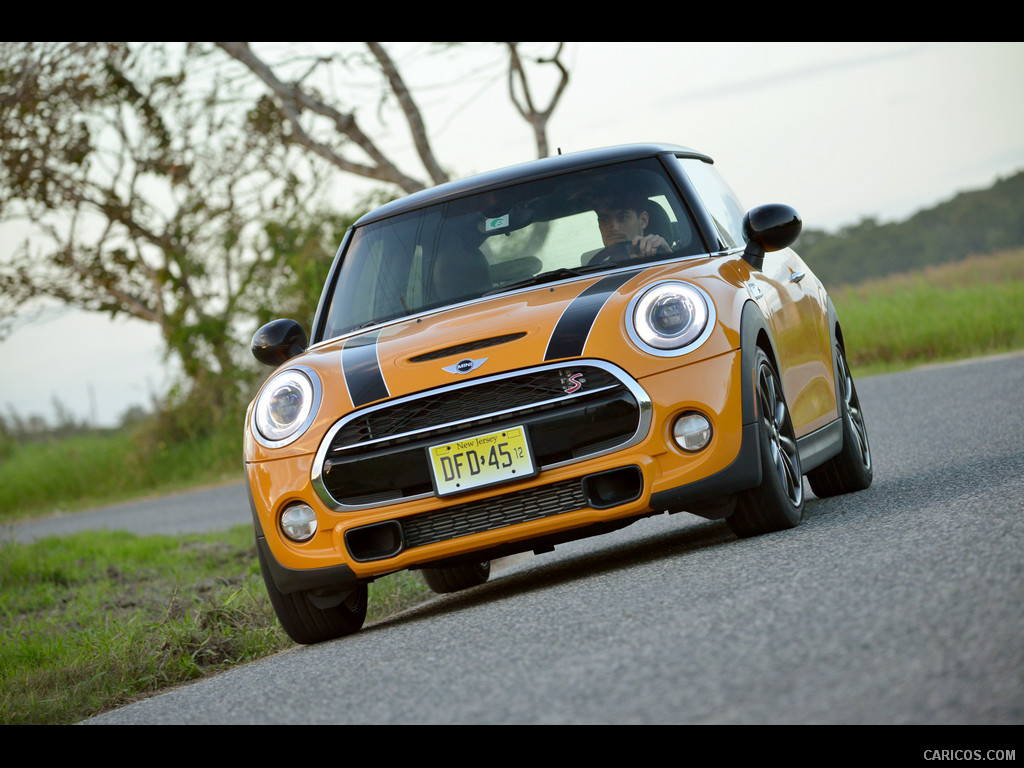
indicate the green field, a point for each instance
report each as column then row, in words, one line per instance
column 966, row 309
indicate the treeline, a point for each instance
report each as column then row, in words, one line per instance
column 973, row 223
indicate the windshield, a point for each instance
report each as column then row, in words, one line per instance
column 503, row 239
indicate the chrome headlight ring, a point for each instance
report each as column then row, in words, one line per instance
column 671, row 318
column 286, row 406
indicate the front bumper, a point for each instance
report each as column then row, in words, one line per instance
column 567, row 501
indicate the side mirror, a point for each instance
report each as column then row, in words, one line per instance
column 278, row 341
column 769, row 227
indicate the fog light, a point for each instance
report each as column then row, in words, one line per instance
column 298, row 522
column 692, row 432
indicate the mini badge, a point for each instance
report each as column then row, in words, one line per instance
column 465, row 366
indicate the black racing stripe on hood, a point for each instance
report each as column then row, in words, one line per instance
column 362, row 371
column 573, row 327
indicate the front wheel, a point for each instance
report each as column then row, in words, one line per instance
column 443, row 580
column 851, row 470
column 778, row 503
column 310, row 617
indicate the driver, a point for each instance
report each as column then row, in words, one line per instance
column 624, row 220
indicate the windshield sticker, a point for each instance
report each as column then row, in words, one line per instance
column 500, row 222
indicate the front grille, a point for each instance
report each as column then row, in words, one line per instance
column 489, row 514
column 379, row 455
column 451, row 406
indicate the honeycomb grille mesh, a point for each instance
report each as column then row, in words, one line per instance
column 497, row 512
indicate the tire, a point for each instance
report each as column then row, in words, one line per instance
column 851, row 470
column 443, row 580
column 310, row 618
column 778, row 503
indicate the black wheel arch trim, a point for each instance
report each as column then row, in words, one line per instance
column 821, row 445
column 745, row 470
column 338, row 578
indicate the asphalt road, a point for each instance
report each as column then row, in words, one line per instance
column 197, row 511
column 901, row 604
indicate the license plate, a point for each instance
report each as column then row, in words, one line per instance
column 475, row 462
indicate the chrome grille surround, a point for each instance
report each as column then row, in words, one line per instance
column 359, row 439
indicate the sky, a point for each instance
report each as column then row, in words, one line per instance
column 840, row 131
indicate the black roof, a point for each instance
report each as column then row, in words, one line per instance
column 535, row 169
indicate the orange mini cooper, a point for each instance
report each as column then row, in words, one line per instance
column 538, row 354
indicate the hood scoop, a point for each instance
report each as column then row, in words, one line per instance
column 469, row 346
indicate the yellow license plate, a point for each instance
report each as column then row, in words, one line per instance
column 475, row 462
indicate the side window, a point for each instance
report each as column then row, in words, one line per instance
column 718, row 199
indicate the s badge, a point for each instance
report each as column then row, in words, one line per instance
column 573, row 383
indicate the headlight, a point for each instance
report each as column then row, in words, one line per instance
column 286, row 406
column 670, row 318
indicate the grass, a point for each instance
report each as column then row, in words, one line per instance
column 93, row 621
column 96, row 620
column 969, row 308
column 92, row 469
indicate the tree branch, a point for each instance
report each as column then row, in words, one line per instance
column 411, row 112
column 294, row 100
column 537, row 118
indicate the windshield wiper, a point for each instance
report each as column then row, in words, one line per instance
column 562, row 273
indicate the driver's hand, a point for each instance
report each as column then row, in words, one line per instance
column 648, row 245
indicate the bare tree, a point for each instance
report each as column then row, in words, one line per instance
column 330, row 130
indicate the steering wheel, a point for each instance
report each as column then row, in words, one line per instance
column 615, row 252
